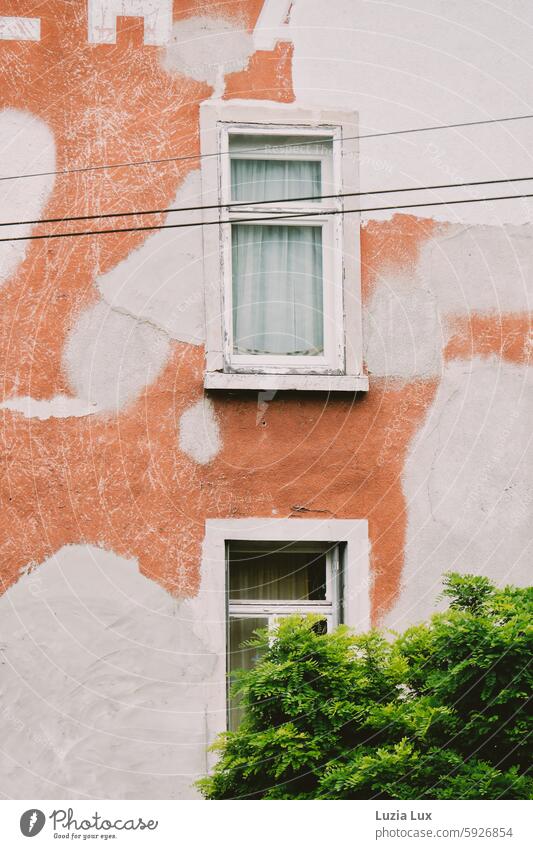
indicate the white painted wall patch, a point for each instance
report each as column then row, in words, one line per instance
column 26, row 145
column 110, row 357
column 271, row 25
column 20, row 29
column 157, row 15
column 107, row 683
column 199, row 434
column 206, row 48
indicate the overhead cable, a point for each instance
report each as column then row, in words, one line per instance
column 239, row 204
column 251, row 220
column 198, row 156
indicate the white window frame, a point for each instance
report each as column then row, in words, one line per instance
column 340, row 368
column 330, row 608
column 352, row 534
column 273, row 610
column 331, row 229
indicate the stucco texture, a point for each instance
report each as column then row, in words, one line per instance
column 113, row 456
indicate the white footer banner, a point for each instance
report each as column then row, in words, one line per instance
column 245, row 824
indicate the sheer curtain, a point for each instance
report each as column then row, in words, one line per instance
column 242, row 657
column 277, row 576
column 270, row 179
column 277, row 269
column 277, row 289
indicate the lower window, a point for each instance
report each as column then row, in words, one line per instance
column 270, row 580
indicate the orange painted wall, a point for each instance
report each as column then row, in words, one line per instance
column 120, row 481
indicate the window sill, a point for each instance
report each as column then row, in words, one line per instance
column 301, row 382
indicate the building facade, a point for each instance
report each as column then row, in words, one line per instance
column 211, row 395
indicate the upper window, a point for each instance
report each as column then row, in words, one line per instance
column 284, row 311
column 278, row 303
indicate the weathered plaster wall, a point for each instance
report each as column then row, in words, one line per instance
column 206, row 48
column 461, row 316
column 106, row 437
column 25, row 142
column 161, row 282
column 103, row 14
column 459, row 313
column 467, row 481
column 112, row 455
column 420, row 63
column 106, row 682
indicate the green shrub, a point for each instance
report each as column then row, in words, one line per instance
column 439, row 712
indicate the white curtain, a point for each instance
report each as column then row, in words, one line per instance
column 277, row 270
column 255, row 180
column 242, row 657
column 277, row 289
column 277, row 576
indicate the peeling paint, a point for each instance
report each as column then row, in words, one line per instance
column 113, row 456
column 199, row 433
column 26, row 145
column 19, row 29
column 161, row 281
column 485, row 269
column 206, row 48
column 506, row 335
column 110, row 356
column 59, row 407
column 402, row 333
column 156, row 14
column 266, row 77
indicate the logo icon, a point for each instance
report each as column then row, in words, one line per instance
column 32, row 822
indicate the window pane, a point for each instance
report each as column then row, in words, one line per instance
column 277, row 575
column 271, row 145
column 270, row 179
column 241, row 657
column 277, row 290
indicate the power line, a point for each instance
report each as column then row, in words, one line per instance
column 238, row 204
column 263, row 218
column 197, row 156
